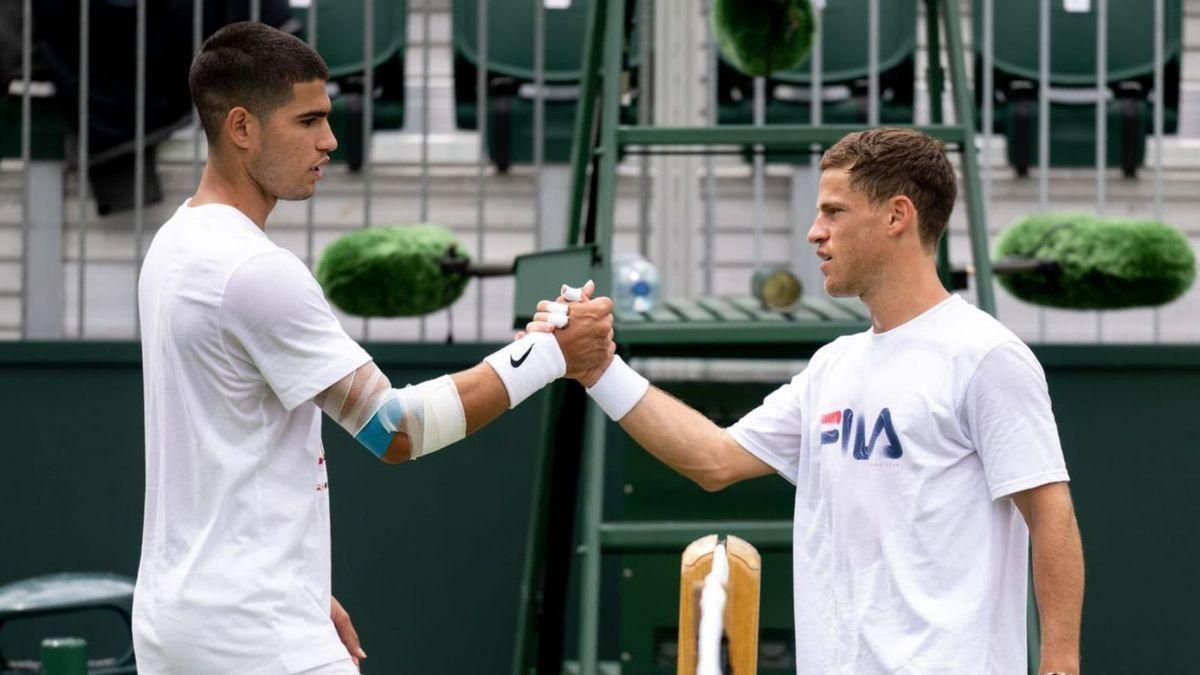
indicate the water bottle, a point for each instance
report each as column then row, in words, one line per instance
column 635, row 283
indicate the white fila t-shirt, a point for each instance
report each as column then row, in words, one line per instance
column 903, row 446
column 236, row 340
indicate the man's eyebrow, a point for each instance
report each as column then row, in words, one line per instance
column 313, row 113
column 830, row 204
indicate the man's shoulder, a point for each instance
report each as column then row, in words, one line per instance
column 970, row 334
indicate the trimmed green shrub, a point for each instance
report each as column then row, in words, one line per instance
column 390, row 271
column 1103, row 263
column 759, row 37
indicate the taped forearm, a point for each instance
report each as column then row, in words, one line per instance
column 364, row 403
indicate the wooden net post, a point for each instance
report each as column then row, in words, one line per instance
column 741, row 605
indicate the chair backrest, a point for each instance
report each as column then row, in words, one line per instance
column 845, row 40
column 340, row 33
column 510, row 37
column 1073, row 39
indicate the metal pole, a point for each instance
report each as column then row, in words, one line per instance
column 710, row 179
column 139, row 161
column 368, row 119
column 1159, row 38
column 594, row 422
column 82, row 173
column 989, row 97
column 26, row 149
column 760, row 115
column 1101, row 123
column 481, row 97
column 256, row 9
column 1101, row 104
column 310, row 207
column 964, row 112
column 873, row 63
column 645, row 87
column 428, row 7
column 539, row 115
column 593, row 499
column 1043, row 125
column 197, row 42
column 816, row 110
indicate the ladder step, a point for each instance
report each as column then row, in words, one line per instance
column 771, row 136
column 673, row 535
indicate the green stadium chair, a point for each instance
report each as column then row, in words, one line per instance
column 49, row 128
column 71, row 593
column 1130, row 79
column 510, row 65
column 339, row 40
column 844, row 70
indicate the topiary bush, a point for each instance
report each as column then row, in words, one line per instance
column 759, row 37
column 390, row 271
column 1103, row 263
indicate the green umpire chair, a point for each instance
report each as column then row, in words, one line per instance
column 844, row 72
column 71, row 596
column 340, row 42
column 1129, row 80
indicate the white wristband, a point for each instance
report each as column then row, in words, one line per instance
column 619, row 389
column 527, row 365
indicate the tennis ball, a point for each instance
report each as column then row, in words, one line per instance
column 390, row 271
column 1103, row 263
column 759, row 37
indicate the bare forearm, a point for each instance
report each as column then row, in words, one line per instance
column 1058, row 579
column 483, row 395
column 689, row 442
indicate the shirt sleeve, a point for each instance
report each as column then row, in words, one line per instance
column 773, row 431
column 1008, row 418
column 274, row 312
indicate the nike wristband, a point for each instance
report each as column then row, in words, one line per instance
column 618, row 389
column 527, row 365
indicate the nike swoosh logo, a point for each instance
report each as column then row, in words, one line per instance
column 516, row 363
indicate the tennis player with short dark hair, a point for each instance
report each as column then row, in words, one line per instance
column 924, row 451
column 241, row 353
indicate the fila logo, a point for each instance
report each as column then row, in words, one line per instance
column 839, row 424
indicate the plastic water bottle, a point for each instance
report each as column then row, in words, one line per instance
column 635, row 283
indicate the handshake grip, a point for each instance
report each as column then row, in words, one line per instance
column 550, row 348
column 609, row 381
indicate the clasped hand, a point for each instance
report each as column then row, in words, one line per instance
column 586, row 340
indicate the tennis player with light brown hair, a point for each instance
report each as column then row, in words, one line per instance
column 924, row 450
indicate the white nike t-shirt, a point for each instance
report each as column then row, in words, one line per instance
column 903, row 446
column 236, row 340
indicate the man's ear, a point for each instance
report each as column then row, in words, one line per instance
column 902, row 216
column 241, row 126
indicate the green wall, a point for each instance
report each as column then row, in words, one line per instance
column 427, row 555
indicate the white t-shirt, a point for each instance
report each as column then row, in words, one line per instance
column 902, row 446
column 236, row 340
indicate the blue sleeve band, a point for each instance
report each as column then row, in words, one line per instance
column 375, row 436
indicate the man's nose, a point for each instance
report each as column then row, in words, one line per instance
column 817, row 233
column 328, row 142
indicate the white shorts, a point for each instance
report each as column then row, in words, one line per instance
column 343, row 667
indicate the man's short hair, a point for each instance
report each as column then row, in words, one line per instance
column 252, row 65
column 886, row 162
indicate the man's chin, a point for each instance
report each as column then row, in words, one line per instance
column 836, row 291
column 298, row 196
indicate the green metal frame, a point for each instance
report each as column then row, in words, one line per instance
column 600, row 138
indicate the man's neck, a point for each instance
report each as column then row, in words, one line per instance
column 904, row 297
column 231, row 185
